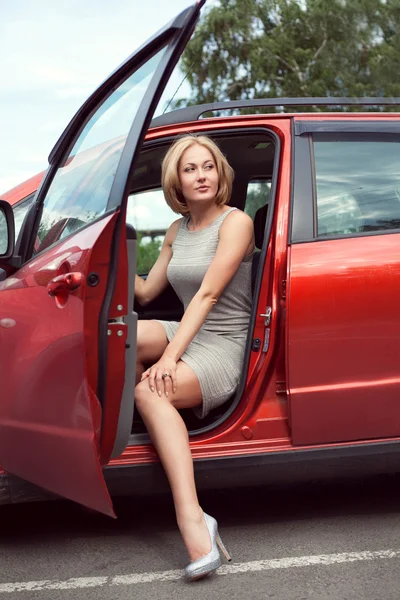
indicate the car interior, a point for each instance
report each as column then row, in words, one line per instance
column 252, row 154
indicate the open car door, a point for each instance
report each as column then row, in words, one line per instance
column 66, row 328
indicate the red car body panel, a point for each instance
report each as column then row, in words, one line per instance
column 21, row 191
column 115, row 372
column 56, row 434
column 344, row 339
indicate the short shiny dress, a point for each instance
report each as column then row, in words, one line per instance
column 216, row 352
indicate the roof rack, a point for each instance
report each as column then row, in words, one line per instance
column 193, row 113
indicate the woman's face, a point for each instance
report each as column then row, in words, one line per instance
column 198, row 174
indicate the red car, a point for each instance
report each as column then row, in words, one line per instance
column 320, row 391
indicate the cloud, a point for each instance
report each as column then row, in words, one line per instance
column 149, row 211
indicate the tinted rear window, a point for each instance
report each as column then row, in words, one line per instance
column 357, row 186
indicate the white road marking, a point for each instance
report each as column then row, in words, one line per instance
column 256, row 565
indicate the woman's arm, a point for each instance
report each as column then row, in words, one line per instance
column 236, row 240
column 148, row 289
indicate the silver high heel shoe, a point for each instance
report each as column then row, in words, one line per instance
column 210, row 562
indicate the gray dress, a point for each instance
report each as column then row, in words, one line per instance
column 216, row 352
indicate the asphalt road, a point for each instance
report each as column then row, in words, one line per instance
column 335, row 541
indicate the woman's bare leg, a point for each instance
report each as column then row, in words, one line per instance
column 170, row 438
column 151, row 343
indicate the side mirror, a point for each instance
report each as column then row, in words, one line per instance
column 7, row 231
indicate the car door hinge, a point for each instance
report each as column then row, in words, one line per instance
column 284, row 288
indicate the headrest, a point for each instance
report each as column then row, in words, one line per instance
column 259, row 225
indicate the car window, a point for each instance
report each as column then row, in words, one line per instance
column 258, row 191
column 357, row 186
column 20, row 211
column 80, row 189
column 151, row 216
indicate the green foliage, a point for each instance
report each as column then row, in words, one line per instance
column 246, row 49
column 147, row 254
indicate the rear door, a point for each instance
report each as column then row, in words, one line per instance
column 65, row 318
column 344, row 282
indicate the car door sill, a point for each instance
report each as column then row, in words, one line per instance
column 295, row 466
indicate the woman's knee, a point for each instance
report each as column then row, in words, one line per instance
column 144, row 397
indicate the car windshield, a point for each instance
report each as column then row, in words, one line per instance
column 20, row 211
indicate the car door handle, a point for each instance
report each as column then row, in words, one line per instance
column 64, row 284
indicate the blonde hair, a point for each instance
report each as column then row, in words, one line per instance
column 170, row 176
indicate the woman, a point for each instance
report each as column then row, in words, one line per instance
column 206, row 256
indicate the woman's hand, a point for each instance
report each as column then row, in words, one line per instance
column 157, row 382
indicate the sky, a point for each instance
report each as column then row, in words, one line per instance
column 54, row 53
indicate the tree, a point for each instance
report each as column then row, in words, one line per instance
column 147, row 254
column 246, row 49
